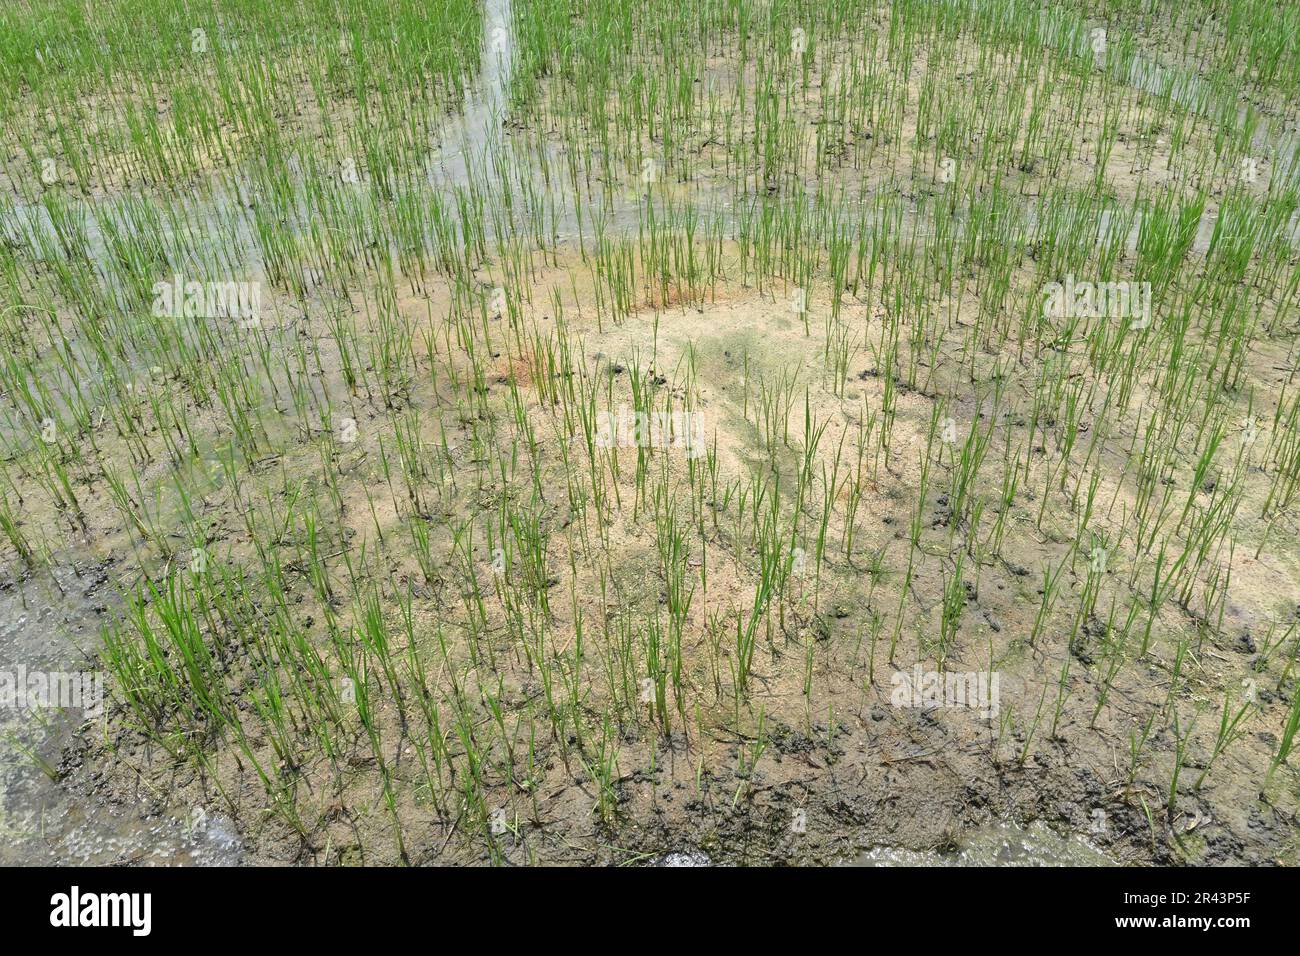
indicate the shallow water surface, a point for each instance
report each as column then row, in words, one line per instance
column 1004, row 844
column 50, row 623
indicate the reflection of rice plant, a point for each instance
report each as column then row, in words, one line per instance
column 32, row 754
column 9, row 525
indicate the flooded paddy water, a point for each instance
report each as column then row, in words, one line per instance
column 1001, row 845
column 50, row 624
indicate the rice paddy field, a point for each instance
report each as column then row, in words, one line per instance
column 633, row 432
